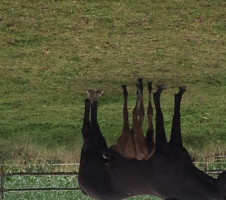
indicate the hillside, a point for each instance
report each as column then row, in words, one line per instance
column 53, row 51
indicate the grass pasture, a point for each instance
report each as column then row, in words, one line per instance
column 53, row 51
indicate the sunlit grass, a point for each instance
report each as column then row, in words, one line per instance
column 53, row 51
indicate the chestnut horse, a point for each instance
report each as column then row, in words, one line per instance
column 132, row 143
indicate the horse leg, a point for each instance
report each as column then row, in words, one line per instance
column 93, row 177
column 86, row 121
column 138, row 110
column 125, row 144
column 99, row 137
column 125, row 128
column 139, row 139
column 86, row 128
column 161, row 140
column 92, row 136
column 150, row 130
column 126, row 141
column 176, row 138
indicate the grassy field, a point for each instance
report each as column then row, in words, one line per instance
column 53, row 51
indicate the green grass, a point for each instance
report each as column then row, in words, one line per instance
column 53, row 51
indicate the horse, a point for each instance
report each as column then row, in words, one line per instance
column 169, row 173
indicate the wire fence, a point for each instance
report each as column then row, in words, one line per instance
column 205, row 166
column 4, row 175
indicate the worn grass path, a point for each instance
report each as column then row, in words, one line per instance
column 53, row 51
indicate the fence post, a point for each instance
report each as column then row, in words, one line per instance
column 2, row 182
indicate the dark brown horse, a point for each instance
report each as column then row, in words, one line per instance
column 168, row 174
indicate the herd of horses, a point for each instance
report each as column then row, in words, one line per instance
column 138, row 164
